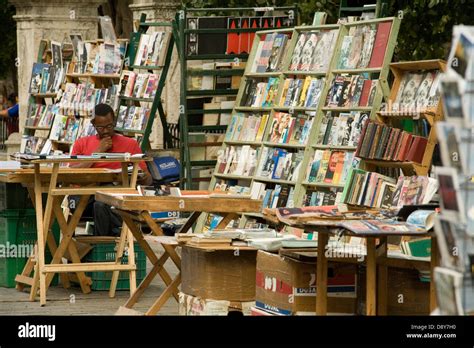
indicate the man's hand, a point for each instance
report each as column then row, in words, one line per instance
column 145, row 179
column 105, row 145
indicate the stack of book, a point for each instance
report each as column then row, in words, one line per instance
column 260, row 93
column 46, row 78
column 417, row 91
column 351, row 91
column 382, row 142
column 246, row 127
column 313, row 51
column 237, row 160
column 97, row 58
column 276, row 196
column 40, row 115
column 151, row 48
column 279, row 164
column 302, row 92
column 372, row 189
column 65, row 128
column 364, row 46
column 138, row 85
column 270, row 53
column 341, row 129
column 330, row 167
column 133, row 118
column 323, row 196
column 288, row 129
column 80, row 99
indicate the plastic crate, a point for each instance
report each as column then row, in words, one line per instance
column 14, row 196
column 105, row 252
column 17, row 239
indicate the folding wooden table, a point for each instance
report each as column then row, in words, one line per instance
column 376, row 262
column 76, row 176
column 138, row 208
column 43, row 273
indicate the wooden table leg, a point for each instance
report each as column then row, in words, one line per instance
column 124, row 236
column 189, row 222
column 68, row 232
column 434, row 262
column 159, row 232
column 322, row 274
column 225, row 220
column 382, row 278
column 118, row 259
column 371, row 277
column 157, row 263
column 155, row 308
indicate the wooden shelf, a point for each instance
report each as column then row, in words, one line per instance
column 400, row 164
column 62, row 142
column 37, row 128
column 230, row 176
column 429, row 116
column 146, row 100
column 143, row 67
column 322, row 184
column 44, row 95
column 308, row 73
column 134, row 131
column 295, row 108
column 252, row 109
column 265, row 74
column 355, row 108
column 276, row 181
column 238, row 142
column 335, row 147
column 102, row 76
column 290, row 146
column 357, row 71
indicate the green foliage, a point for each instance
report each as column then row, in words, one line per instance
column 8, row 30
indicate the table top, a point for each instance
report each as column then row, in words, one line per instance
column 66, row 174
column 89, row 159
column 197, row 203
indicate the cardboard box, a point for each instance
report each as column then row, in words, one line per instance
column 190, row 305
column 287, row 286
column 219, row 274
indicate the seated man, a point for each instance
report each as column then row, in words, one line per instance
column 106, row 221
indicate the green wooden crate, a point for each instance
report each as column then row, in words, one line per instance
column 105, row 252
column 14, row 196
column 17, row 239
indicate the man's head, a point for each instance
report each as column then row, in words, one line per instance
column 12, row 99
column 104, row 120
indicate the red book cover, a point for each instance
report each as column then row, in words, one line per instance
column 361, row 140
column 364, row 96
column 399, row 147
column 380, row 44
column 244, row 37
column 417, row 150
column 406, row 147
column 232, row 38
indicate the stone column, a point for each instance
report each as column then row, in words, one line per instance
column 54, row 20
column 162, row 11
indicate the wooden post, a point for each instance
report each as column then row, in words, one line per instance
column 322, row 275
column 382, row 278
column 371, row 277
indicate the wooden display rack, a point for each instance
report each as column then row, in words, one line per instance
column 382, row 91
column 431, row 115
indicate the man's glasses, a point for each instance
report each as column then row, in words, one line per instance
column 108, row 127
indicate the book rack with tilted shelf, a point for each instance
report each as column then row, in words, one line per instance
column 289, row 128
